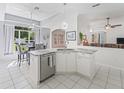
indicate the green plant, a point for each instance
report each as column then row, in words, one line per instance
column 81, row 36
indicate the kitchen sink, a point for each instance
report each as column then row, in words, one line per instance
column 65, row 49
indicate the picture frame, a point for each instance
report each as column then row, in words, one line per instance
column 71, row 35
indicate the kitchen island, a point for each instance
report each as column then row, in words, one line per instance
column 78, row 60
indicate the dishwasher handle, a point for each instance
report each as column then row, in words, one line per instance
column 48, row 61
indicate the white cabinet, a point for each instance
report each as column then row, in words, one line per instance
column 86, row 64
column 65, row 62
column 60, row 62
column 70, row 62
column 33, row 73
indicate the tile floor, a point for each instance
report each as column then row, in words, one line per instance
column 13, row 77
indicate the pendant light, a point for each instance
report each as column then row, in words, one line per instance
column 64, row 23
column 32, row 25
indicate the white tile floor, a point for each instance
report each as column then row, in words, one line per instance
column 14, row 77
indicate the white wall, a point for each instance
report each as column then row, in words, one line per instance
column 16, row 20
column 18, row 10
column 45, row 32
column 2, row 14
column 1, row 39
column 56, row 21
column 2, row 11
column 82, row 26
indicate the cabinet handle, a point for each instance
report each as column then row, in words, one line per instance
column 48, row 61
column 52, row 60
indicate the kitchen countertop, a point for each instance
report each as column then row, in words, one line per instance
column 46, row 51
column 42, row 52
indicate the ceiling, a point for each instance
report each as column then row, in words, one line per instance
column 93, row 13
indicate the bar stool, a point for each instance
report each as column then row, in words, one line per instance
column 22, row 51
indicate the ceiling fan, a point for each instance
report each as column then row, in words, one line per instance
column 95, row 5
column 109, row 26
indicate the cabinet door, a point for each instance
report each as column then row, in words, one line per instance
column 83, row 65
column 60, row 62
column 70, row 62
column 34, row 69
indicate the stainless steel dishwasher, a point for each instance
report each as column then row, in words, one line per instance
column 47, row 65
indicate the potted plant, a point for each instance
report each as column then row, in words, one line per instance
column 81, row 37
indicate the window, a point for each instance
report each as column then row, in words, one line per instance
column 16, row 34
column 24, row 35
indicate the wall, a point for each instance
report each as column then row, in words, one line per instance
column 56, row 22
column 1, row 39
column 22, row 20
column 18, row 10
column 82, row 26
column 2, row 13
column 45, row 36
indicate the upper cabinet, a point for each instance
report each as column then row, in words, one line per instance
column 58, row 38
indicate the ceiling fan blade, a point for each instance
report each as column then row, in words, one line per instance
column 95, row 5
column 113, row 26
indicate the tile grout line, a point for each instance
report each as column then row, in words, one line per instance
column 48, row 86
column 25, row 77
column 62, row 83
column 55, row 86
column 76, row 82
column 70, row 79
column 11, row 79
column 58, row 85
column 107, row 77
column 5, row 80
column 94, row 77
column 52, row 79
column 121, row 77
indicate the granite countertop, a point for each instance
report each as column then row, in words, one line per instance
column 42, row 52
column 46, row 51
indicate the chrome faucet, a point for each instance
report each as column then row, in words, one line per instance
column 66, row 43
